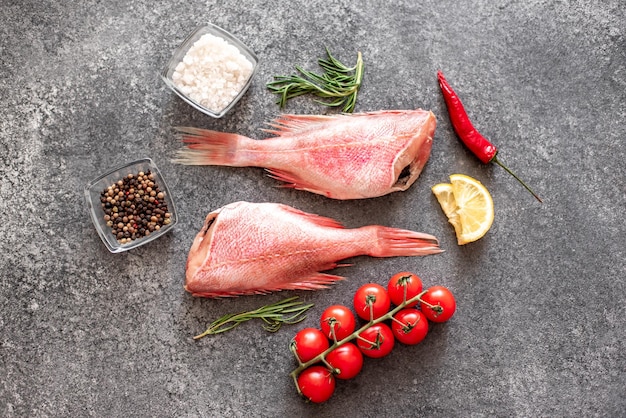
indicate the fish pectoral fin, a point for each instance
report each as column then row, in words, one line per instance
column 291, row 180
column 294, row 182
column 315, row 281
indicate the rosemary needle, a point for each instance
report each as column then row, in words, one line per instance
column 286, row 311
column 338, row 83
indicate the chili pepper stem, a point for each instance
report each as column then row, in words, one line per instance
column 497, row 161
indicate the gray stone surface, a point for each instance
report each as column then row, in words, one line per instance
column 540, row 328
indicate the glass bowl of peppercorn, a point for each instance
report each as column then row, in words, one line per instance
column 130, row 205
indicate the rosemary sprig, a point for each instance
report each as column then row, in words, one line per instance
column 286, row 311
column 338, row 83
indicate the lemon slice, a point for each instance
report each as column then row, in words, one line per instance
column 467, row 205
column 445, row 196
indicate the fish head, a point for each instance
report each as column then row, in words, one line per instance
column 202, row 243
column 411, row 158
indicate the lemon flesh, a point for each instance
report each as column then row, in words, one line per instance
column 445, row 196
column 467, row 204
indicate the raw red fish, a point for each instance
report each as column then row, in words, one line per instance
column 253, row 248
column 346, row 156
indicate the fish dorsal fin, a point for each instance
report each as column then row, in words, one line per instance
column 317, row 219
column 290, row 124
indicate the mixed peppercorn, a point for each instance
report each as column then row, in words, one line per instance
column 134, row 207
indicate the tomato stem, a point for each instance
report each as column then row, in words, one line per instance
column 295, row 381
column 404, row 281
column 355, row 335
column 406, row 327
column 370, row 300
column 437, row 308
column 365, row 340
column 330, row 367
column 332, row 323
column 292, row 348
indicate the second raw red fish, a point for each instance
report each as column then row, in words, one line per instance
column 346, row 156
column 253, row 248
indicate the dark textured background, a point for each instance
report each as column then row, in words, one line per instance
column 540, row 327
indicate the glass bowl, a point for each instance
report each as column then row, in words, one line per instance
column 179, row 54
column 93, row 196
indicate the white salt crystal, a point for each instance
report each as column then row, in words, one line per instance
column 212, row 72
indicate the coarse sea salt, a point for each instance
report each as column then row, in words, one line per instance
column 213, row 72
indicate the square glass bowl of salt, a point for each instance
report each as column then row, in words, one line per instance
column 210, row 70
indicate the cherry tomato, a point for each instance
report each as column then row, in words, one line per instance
column 409, row 326
column 371, row 294
column 343, row 320
column 376, row 341
column 399, row 282
column 308, row 343
column 347, row 359
column 316, row 383
column 442, row 304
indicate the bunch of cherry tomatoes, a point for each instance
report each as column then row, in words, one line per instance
column 329, row 353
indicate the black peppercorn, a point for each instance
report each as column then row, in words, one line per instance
column 134, row 207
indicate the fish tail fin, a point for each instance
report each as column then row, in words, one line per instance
column 393, row 242
column 207, row 147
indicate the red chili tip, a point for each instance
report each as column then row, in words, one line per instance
column 441, row 78
column 156, row 202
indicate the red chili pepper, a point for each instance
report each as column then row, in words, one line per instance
column 478, row 144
